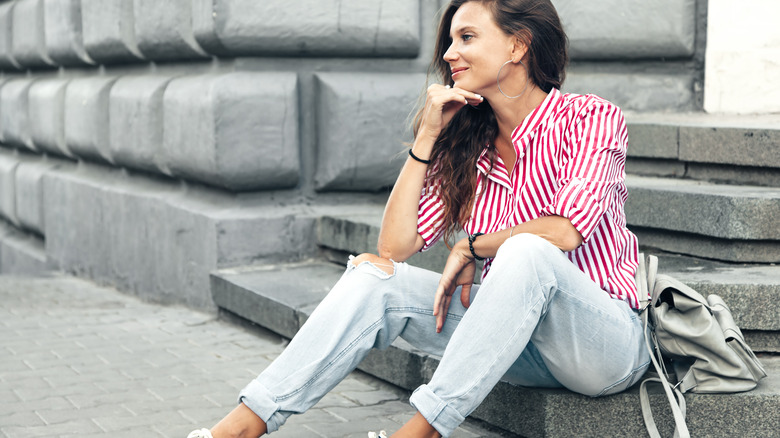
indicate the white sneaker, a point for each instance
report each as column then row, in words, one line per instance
column 382, row 434
column 201, row 433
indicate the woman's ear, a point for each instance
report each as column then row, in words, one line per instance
column 520, row 45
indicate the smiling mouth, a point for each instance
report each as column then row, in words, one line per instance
column 458, row 70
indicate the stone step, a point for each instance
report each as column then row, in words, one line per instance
column 280, row 298
column 700, row 146
column 752, row 291
column 703, row 219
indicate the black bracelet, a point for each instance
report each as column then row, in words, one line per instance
column 416, row 158
column 472, row 238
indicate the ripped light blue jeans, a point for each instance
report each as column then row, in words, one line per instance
column 536, row 321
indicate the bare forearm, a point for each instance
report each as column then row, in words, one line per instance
column 557, row 230
column 398, row 237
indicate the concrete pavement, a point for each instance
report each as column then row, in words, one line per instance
column 77, row 359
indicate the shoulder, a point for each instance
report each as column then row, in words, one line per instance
column 589, row 106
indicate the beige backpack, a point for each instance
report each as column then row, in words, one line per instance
column 693, row 343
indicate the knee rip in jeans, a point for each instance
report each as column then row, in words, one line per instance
column 385, row 265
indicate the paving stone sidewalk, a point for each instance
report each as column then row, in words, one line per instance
column 77, row 359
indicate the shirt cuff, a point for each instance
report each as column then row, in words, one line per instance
column 430, row 235
column 576, row 203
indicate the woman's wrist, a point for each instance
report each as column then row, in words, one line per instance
column 463, row 247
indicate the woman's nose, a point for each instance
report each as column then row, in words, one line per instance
column 451, row 54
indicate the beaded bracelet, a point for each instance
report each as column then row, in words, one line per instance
column 472, row 238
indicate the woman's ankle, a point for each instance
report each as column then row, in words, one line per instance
column 416, row 427
column 241, row 422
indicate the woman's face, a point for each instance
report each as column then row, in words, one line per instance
column 479, row 48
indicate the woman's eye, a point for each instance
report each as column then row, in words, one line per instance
column 466, row 37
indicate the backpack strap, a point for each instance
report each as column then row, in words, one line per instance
column 647, row 411
column 645, row 278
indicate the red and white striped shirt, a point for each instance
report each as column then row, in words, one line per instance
column 571, row 154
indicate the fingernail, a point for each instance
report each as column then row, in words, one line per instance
column 446, row 86
column 479, row 97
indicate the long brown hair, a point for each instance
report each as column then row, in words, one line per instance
column 471, row 130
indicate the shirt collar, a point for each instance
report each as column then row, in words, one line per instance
column 532, row 121
column 536, row 119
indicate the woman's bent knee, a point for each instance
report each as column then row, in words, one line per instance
column 382, row 263
column 527, row 245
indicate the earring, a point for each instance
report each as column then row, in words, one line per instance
column 498, row 77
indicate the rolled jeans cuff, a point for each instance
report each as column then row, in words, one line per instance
column 257, row 398
column 444, row 418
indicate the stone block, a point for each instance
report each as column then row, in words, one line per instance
column 100, row 226
column 652, row 140
column 47, row 118
column 754, row 54
column 64, row 36
column 761, row 341
column 373, row 108
column 635, row 91
column 310, row 28
column 7, row 61
column 650, row 167
column 28, row 34
column 286, row 234
column 21, row 253
column 29, row 192
column 731, row 250
column 87, row 117
column 625, row 30
column 14, row 119
column 164, row 29
column 235, row 290
column 109, row 31
column 730, row 145
column 714, row 210
column 203, row 27
column 149, row 236
column 2, row 82
column 70, row 209
column 8, row 165
column 238, row 130
column 730, row 174
column 175, row 249
column 136, row 122
column 355, row 231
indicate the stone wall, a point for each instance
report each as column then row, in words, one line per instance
column 743, row 57
column 147, row 143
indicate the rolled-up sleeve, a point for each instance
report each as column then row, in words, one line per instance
column 593, row 177
column 430, row 215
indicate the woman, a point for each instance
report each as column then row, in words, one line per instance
column 536, row 179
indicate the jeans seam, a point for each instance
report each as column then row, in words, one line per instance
column 421, row 311
column 628, row 377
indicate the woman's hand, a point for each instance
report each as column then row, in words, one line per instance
column 441, row 104
column 458, row 271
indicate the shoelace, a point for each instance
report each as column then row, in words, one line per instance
column 201, row 433
column 382, row 434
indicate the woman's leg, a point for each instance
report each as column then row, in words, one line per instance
column 368, row 308
column 584, row 339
